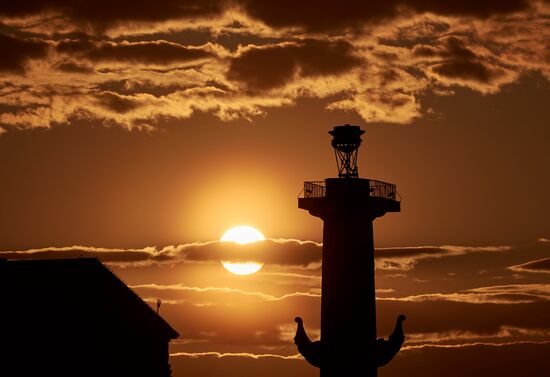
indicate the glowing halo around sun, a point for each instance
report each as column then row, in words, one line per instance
column 242, row 235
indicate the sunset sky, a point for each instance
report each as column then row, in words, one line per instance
column 139, row 132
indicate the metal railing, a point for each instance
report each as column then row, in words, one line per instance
column 385, row 190
column 315, row 189
column 379, row 189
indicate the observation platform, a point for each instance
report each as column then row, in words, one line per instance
column 353, row 194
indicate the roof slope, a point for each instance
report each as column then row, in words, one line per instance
column 81, row 294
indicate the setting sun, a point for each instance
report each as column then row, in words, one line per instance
column 246, row 268
column 242, row 235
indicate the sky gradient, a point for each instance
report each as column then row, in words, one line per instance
column 140, row 132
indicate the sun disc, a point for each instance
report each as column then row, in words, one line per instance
column 246, row 268
column 242, row 235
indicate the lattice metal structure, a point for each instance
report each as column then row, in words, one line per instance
column 346, row 141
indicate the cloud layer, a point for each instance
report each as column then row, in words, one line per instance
column 457, row 299
column 238, row 59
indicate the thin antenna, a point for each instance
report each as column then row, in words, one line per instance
column 159, row 301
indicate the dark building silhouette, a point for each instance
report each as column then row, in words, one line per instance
column 75, row 317
column 348, row 205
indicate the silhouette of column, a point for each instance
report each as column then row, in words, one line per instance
column 348, row 206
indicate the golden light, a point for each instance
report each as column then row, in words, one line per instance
column 242, row 235
column 246, row 268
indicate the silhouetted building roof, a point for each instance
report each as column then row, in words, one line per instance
column 76, row 317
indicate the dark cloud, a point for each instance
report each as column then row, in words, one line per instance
column 247, row 318
column 401, row 252
column 541, row 265
column 278, row 252
column 72, row 67
column 457, row 61
column 476, row 360
column 425, row 51
column 117, row 103
column 103, row 13
column 228, row 60
column 224, row 314
column 310, row 15
column 286, row 252
column 319, row 16
column 272, row 66
column 105, row 255
column 480, row 9
column 500, row 294
column 157, row 52
column 405, row 258
column 17, row 52
column 463, row 63
column 441, row 315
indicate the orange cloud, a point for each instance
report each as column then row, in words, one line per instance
column 304, row 255
column 154, row 52
column 246, row 58
column 475, row 344
column 220, row 355
column 180, row 293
